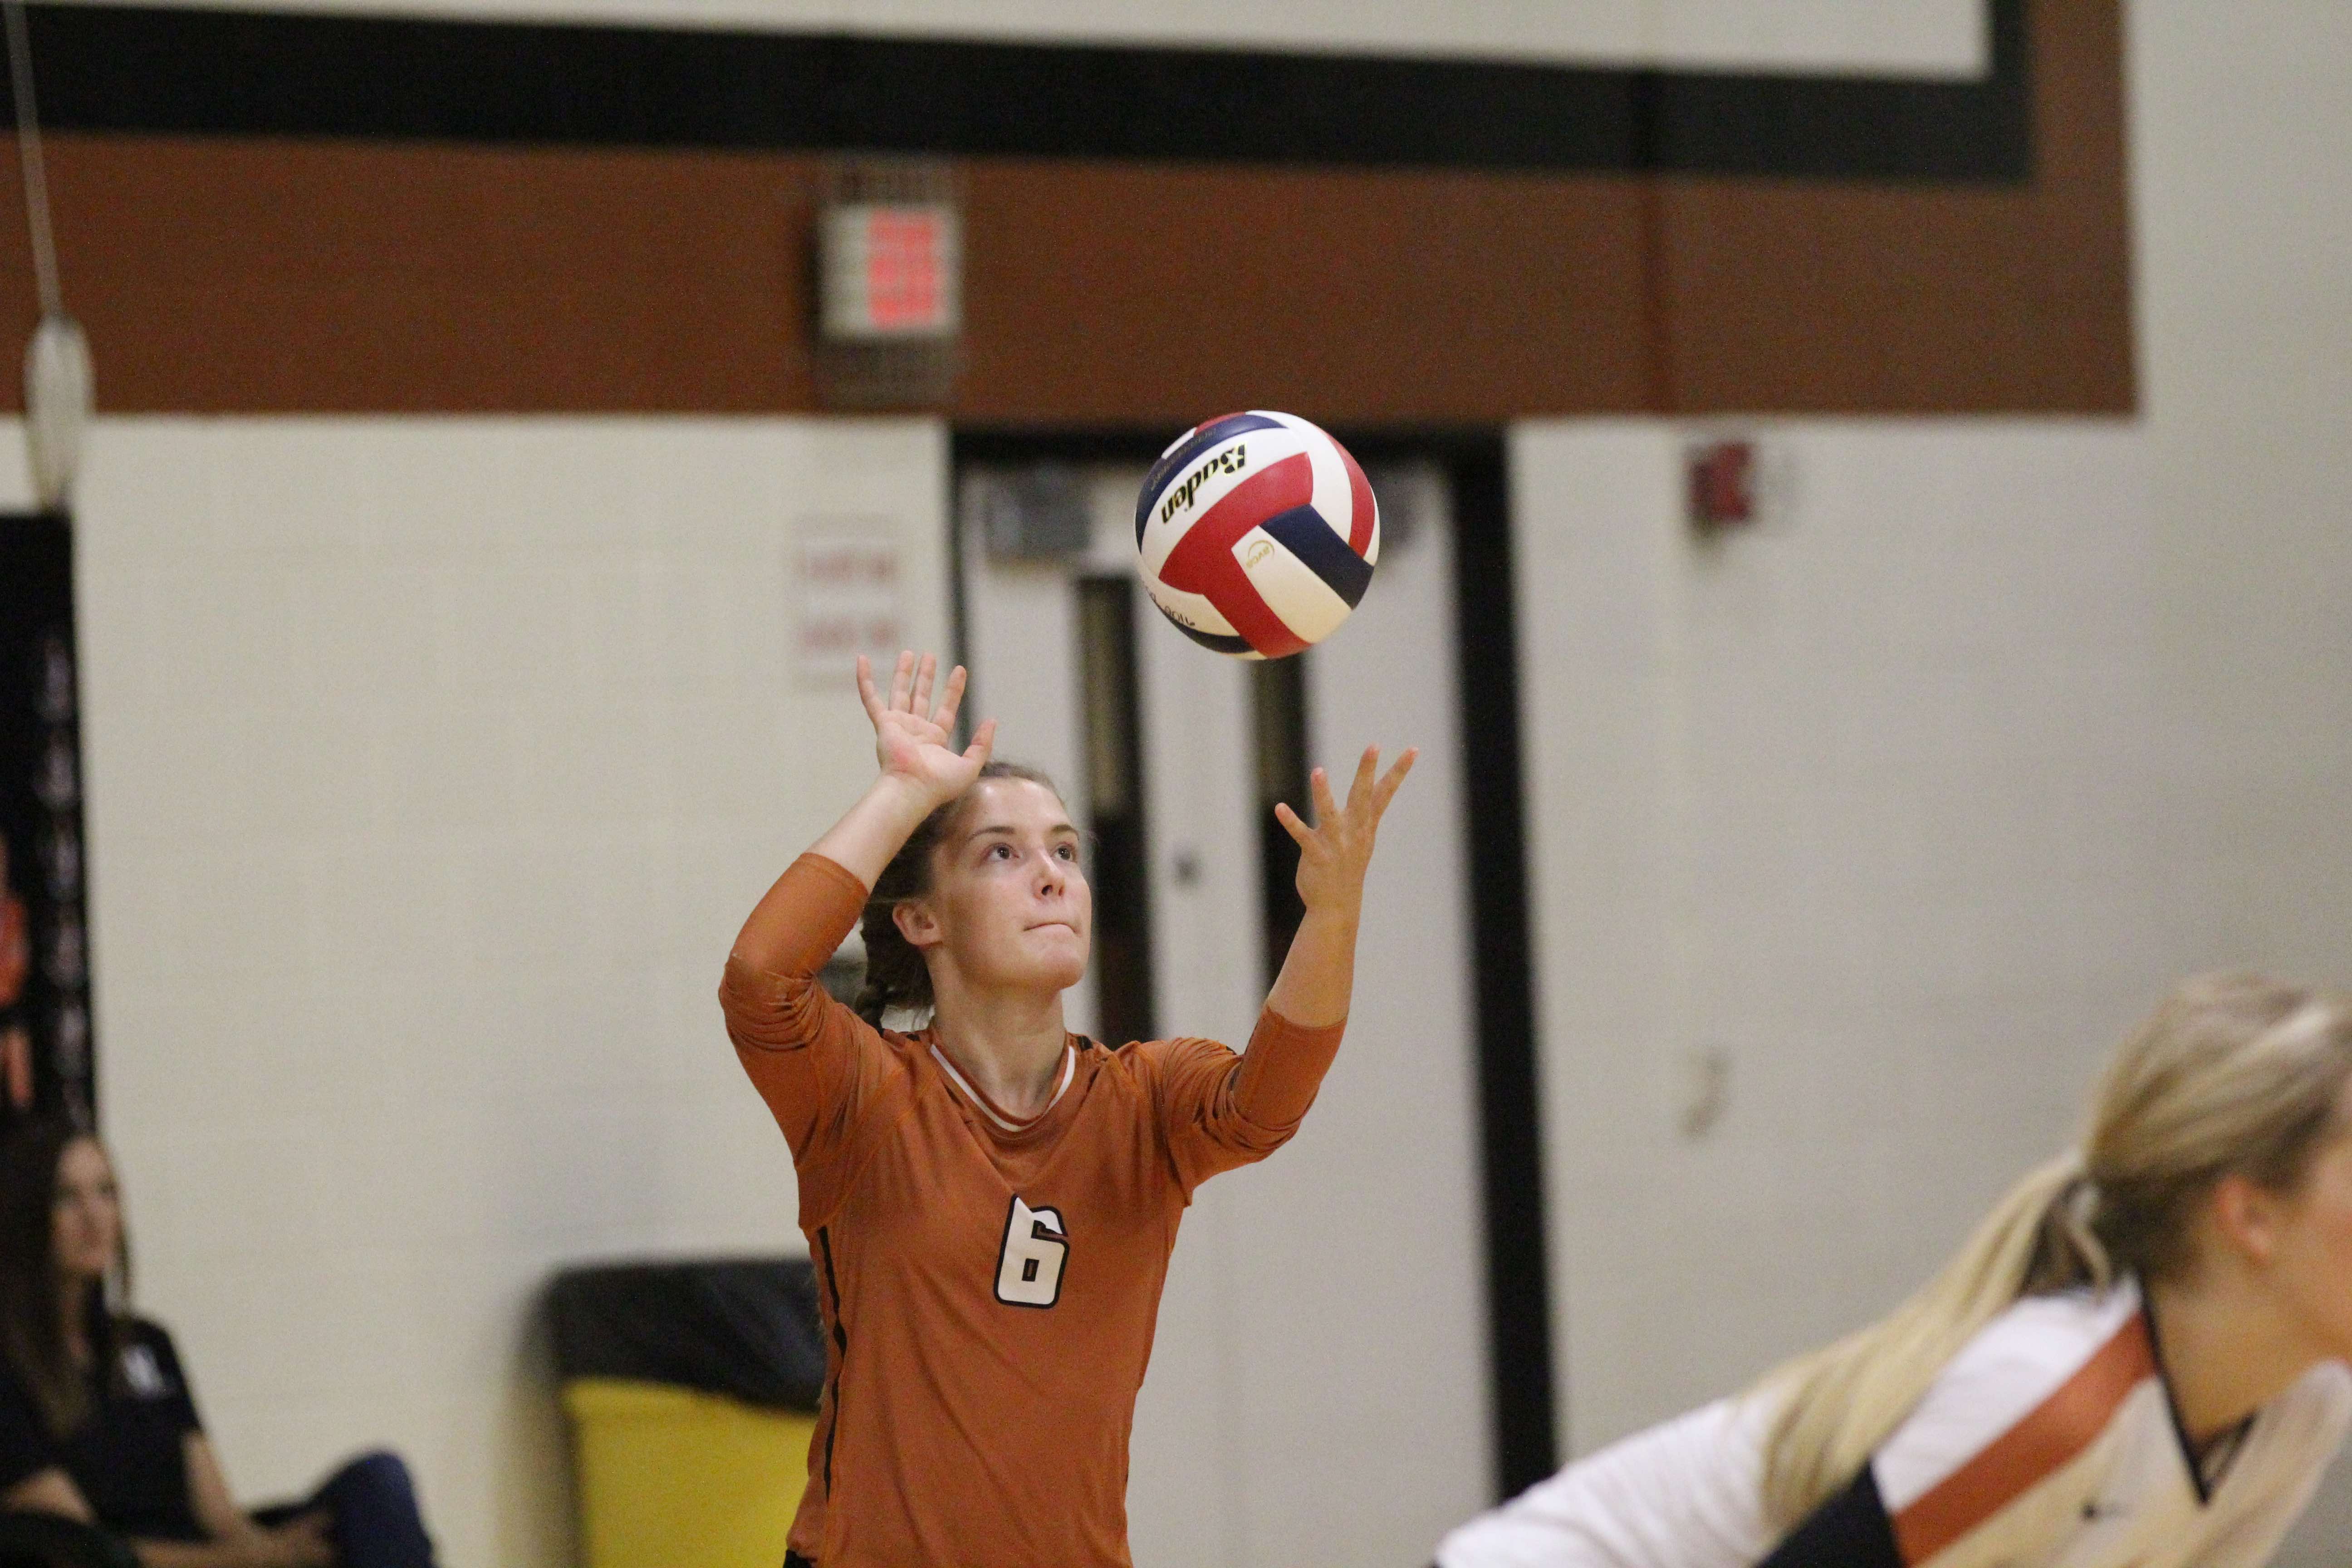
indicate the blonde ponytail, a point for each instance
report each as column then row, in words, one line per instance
column 1839, row 1403
column 2233, row 1073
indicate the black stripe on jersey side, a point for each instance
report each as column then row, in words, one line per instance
column 840, row 1346
column 179, row 70
column 1850, row 1531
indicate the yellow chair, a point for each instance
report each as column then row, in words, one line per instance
column 676, row 1477
column 692, row 1385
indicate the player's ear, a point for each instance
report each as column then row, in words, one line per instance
column 916, row 923
column 2245, row 1217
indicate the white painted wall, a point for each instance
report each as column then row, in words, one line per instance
column 2242, row 204
column 432, row 765
column 2243, row 211
column 1911, row 802
column 1916, row 38
column 1867, row 802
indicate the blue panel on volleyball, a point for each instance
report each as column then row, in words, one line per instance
column 1303, row 532
column 1211, row 640
column 1206, row 437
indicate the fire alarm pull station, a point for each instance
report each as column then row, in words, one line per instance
column 1721, row 478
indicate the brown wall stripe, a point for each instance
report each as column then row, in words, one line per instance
column 243, row 273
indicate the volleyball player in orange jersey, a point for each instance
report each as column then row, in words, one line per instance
column 991, row 1201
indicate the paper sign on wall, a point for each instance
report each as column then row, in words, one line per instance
column 848, row 576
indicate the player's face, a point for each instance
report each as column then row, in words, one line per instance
column 1014, row 907
column 86, row 1222
column 2312, row 1262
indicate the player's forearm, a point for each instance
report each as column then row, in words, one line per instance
column 876, row 828
column 1319, row 975
column 1280, row 1074
column 861, row 843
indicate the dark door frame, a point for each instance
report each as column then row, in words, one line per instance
column 1520, row 1364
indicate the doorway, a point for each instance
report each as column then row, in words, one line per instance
column 1320, row 1389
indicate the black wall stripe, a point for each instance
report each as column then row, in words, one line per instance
column 1518, row 1276
column 184, row 71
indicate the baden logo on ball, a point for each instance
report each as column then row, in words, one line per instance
column 1256, row 534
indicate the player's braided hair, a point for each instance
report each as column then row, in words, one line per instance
column 896, row 974
column 2234, row 1074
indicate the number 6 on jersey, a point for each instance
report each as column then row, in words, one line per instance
column 1029, row 1270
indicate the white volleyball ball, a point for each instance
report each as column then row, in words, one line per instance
column 1256, row 534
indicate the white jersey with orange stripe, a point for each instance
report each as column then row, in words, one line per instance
column 2050, row 1441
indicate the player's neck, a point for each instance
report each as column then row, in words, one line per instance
column 2227, row 1349
column 1008, row 1044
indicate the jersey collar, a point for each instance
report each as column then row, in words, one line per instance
column 988, row 1108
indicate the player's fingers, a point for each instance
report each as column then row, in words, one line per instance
column 866, row 692
column 951, row 698
column 1292, row 825
column 920, row 704
column 1326, row 810
column 902, row 680
column 1392, row 781
column 1360, row 794
column 983, row 741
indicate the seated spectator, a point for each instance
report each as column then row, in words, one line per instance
column 97, row 1421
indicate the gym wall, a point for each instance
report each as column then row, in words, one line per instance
column 340, row 602
column 433, row 764
column 1910, row 804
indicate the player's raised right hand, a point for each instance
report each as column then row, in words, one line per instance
column 914, row 741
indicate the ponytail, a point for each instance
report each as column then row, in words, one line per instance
column 896, row 974
column 1839, row 1403
column 2233, row 1074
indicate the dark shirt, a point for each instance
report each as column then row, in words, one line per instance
column 128, row 1457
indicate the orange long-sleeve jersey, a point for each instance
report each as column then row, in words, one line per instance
column 989, row 1285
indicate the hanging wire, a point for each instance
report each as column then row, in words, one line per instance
column 28, row 151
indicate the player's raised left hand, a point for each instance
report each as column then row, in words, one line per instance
column 1337, row 850
column 914, row 740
